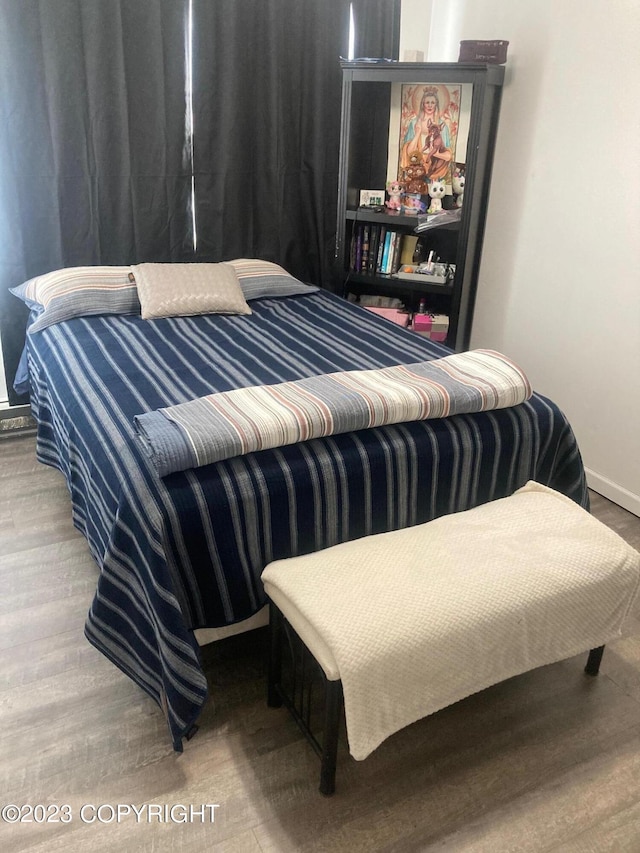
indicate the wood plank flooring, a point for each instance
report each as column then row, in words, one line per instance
column 548, row 761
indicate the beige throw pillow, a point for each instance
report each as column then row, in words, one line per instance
column 178, row 290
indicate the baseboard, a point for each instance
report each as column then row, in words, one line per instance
column 613, row 492
column 7, row 411
column 16, row 420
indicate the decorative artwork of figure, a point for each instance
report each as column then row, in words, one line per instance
column 395, row 190
column 429, row 126
column 437, row 190
column 458, row 186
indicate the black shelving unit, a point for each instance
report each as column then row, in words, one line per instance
column 367, row 100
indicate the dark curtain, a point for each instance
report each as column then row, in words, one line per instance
column 93, row 163
column 377, row 28
column 267, row 104
column 95, row 153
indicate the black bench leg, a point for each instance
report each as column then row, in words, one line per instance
column 332, row 717
column 274, row 674
column 593, row 663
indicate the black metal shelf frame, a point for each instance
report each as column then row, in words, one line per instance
column 366, row 103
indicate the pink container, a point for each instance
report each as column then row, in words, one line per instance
column 435, row 327
column 399, row 317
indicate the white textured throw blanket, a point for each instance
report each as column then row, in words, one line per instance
column 232, row 423
column 419, row 618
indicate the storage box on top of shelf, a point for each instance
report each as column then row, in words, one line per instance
column 493, row 52
column 394, row 314
column 434, row 326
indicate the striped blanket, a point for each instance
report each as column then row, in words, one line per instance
column 233, row 423
column 186, row 551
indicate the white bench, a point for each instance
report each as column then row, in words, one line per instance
column 405, row 623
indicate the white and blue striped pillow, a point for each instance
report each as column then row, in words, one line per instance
column 260, row 279
column 77, row 292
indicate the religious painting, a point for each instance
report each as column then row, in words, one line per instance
column 428, row 133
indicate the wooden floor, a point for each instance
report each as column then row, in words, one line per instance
column 549, row 761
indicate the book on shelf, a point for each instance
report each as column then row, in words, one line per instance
column 385, row 254
column 364, row 261
column 381, row 242
column 377, row 250
column 374, row 238
column 358, row 248
column 395, row 252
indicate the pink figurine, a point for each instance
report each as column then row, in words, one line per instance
column 395, row 190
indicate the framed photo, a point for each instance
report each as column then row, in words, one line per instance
column 371, row 198
column 429, row 118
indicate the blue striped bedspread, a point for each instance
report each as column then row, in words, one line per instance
column 186, row 551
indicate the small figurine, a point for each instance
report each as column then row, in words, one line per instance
column 437, row 190
column 458, row 186
column 395, row 190
column 415, row 173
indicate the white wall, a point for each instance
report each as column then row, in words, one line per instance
column 3, row 383
column 559, row 286
column 415, row 26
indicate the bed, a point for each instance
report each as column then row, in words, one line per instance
column 185, row 551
